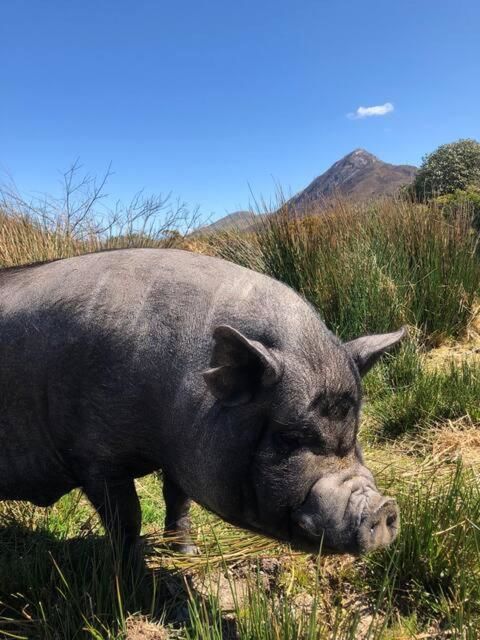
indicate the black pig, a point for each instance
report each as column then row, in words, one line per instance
column 116, row 364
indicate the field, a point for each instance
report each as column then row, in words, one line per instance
column 368, row 268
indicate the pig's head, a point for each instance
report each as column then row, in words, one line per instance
column 307, row 482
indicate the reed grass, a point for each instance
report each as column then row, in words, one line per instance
column 60, row 581
column 371, row 267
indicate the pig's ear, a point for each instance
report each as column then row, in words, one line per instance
column 367, row 350
column 239, row 367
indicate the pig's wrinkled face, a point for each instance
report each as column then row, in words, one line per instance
column 308, row 472
column 308, row 481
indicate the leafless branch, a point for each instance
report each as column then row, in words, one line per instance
column 82, row 211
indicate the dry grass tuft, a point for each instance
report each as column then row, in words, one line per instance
column 474, row 328
column 196, row 245
column 455, row 441
column 219, row 545
column 139, row 628
column 466, row 348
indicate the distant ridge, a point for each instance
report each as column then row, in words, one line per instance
column 237, row 220
column 358, row 176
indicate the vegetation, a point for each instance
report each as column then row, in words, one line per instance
column 406, row 395
column 468, row 199
column 59, row 579
column 366, row 268
column 452, row 167
column 370, row 267
column 77, row 221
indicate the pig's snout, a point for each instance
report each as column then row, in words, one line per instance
column 344, row 513
column 379, row 526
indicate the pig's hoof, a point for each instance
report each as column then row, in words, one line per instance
column 187, row 549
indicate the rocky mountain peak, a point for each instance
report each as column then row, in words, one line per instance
column 359, row 175
column 360, row 155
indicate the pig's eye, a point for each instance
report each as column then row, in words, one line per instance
column 340, row 410
column 337, row 410
column 287, row 442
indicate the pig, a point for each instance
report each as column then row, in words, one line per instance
column 120, row 363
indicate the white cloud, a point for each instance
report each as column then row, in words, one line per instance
column 367, row 112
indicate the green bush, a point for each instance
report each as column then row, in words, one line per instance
column 451, row 167
column 468, row 200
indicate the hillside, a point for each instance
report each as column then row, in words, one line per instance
column 237, row 220
column 359, row 176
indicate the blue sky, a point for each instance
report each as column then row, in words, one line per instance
column 210, row 100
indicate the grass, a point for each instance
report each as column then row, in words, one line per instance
column 366, row 268
column 370, row 267
column 433, row 569
column 25, row 240
column 61, row 580
column 405, row 395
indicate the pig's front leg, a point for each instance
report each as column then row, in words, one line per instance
column 177, row 519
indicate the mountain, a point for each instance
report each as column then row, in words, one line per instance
column 238, row 220
column 358, row 176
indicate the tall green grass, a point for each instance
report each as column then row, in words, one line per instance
column 371, row 267
column 427, row 580
column 404, row 394
column 58, row 579
column 366, row 268
column 433, row 568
